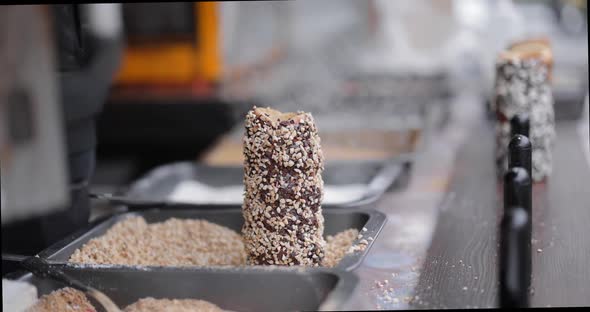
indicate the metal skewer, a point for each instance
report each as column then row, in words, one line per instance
column 41, row 268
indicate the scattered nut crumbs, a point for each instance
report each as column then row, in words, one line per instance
column 362, row 245
column 337, row 246
column 185, row 242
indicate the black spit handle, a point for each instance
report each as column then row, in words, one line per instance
column 515, row 239
column 520, row 153
column 520, row 124
column 517, row 189
column 518, row 193
column 515, row 258
column 519, row 156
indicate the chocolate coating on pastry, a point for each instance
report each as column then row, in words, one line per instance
column 283, row 164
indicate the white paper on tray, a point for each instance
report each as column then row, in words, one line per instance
column 199, row 193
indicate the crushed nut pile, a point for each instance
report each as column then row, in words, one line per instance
column 172, row 305
column 188, row 242
column 64, row 300
column 174, row 242
column 71, row 300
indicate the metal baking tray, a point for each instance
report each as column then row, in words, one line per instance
column 335, row 222
column 402, row 86
column 376, row 177
column 255, row 289
column 569, row 87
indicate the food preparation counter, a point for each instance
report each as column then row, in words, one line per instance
column 438, row 248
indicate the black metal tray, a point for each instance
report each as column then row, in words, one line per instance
column 377, row 176
column 335, row 222
column 255, row 289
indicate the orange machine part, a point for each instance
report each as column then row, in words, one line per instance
column 208, row 48
column 178, row 62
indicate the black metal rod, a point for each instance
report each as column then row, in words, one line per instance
column 43, row 269
column 13, row 257
column 129, row 202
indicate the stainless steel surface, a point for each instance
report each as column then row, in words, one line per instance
column 254, row 289
column 335, row 222
column 392, row 269
column 378, row 176
column 569, row 87
column 13, row 257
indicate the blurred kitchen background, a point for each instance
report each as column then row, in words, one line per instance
column 376, row 74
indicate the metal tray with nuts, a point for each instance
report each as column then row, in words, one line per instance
column 368, row 223
column 255, row 289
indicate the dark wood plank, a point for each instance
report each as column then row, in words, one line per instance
column 460, row 269
column 561, row 222
column 460, row 266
